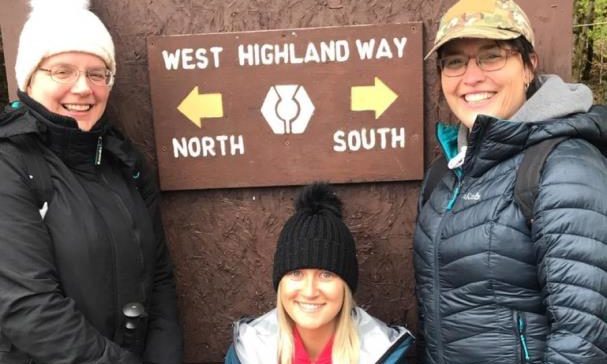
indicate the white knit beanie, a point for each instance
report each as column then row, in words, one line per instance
column 58, row 26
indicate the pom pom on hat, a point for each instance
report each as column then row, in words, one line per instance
column 315, row 237
column 317, row 198
column 60, row 26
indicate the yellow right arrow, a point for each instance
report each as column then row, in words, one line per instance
column 376, row 98
column 196, row 106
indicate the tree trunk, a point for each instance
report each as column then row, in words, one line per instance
column 590, row 16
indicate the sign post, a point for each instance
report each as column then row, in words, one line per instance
column 287, row 107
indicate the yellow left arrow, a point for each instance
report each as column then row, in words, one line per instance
column 196, row 106
column 376, row 98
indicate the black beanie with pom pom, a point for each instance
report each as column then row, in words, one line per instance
column 315, row 237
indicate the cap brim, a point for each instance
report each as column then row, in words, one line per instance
column 474, row 32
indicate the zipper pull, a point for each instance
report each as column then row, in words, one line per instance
column 521, row 329
column 525, row 349
column 458, row 160
column 99, row 151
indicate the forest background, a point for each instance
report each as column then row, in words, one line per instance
column 590, row 46
column 589, row 63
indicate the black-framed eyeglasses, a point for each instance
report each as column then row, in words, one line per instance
column 488, row 60
column 68, row 74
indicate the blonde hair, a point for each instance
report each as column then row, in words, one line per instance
column 346, row 343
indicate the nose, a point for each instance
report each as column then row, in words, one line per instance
column 81, row 85
column 473, row 73
column 309, row 287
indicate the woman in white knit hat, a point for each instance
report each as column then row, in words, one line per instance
column 85, row 274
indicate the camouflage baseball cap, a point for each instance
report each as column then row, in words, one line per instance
column 488, row 19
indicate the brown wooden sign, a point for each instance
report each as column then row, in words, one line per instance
column 287, row 107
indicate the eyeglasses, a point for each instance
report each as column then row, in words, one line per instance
column 488, row 60
column 68, row 74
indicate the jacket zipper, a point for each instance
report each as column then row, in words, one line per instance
column 455, row 193
column 435, row 275
column 121, row 204
column 99, row 151
column 521, row 325
column 436, row 285
column 117, row 318
column 136, row 234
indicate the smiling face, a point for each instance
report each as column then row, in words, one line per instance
column 499, row 93
column 82, row 100
column 313, row 299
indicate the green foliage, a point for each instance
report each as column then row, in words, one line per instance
column 590, row 45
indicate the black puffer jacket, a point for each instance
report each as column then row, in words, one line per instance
column 490, row 289
column 65, row 278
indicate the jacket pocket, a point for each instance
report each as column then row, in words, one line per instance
column 521, row 328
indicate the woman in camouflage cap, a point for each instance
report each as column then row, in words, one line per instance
column 494, row 286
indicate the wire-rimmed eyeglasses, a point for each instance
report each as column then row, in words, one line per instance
column 68, row 74
column 488, row 60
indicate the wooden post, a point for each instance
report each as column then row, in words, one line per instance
column 12, row 17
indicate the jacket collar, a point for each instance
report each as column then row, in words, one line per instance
column 77, row 149
column 492, row 141
column 255, row 341
column 13, row 112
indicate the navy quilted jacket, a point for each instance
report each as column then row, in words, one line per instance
column 493, row 290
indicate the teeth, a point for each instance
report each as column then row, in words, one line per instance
column 309, row 307
column 78, row 107
column 478, row 97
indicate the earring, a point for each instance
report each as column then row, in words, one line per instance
column 526, row 86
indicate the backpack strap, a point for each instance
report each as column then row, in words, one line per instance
column 38, row 174
column 526, row 187
column 436, row 171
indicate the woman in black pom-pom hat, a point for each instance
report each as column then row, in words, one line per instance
column 316, row 319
